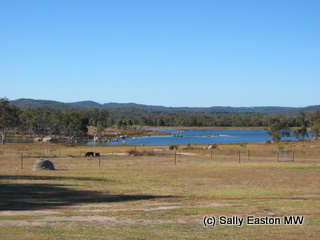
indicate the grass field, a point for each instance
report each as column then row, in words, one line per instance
column 160, row 194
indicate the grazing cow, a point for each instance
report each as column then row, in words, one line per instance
column 88, row 154
column 97, row 154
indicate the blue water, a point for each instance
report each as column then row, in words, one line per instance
column 197, row 136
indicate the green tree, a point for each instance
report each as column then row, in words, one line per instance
column 75, row 124
column 9, row 118
column 110, row 122
column 124, row 124
column 92, row 122
column 300, row 132
column 314, row 119
column 301, row 119
column 40, row 121
column 278, row 128
column 129, row 123
column 315, row 130
column 119, row 124
column 100, row 127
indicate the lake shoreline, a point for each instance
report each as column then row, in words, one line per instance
column 209, row 128
column 183, row 136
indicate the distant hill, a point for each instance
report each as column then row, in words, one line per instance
column 86, row 104
column 135, row 105
column 24, row 103
column 217, row 109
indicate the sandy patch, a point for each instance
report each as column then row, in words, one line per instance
column 21, row 223
column 54, row 216
column 26, row 213
column 217, row 205
column 187, row 154
column 97, row 219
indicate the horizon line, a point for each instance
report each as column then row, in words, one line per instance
column 101, row 103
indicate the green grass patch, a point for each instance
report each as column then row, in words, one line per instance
column 306, row 168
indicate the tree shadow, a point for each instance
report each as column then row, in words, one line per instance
column 31, row 177
column 33, row 196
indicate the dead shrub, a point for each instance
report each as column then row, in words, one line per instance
column 143, row 153
column 134, row 153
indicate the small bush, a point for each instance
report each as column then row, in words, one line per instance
column 214, row 146
column 303, row 140
column 148, row 153
column 137, row 153
column 134, row 153
column 173, row 147
column 268, row 142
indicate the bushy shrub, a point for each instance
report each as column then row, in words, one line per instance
column 134, row 152
column 148, row 153
column 214, row 146
column 137, row 153
column 173, row 147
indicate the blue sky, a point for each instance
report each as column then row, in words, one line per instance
column 195, row 53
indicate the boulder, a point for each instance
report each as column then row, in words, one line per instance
column 43, row 164
column 38, row 140
column 47, row 139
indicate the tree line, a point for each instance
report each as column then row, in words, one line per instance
column 74, row 123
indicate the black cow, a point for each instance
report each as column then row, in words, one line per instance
column 97, row 154
column 88, row 154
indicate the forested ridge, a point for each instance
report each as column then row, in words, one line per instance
column 74, row 122
column 24, row 103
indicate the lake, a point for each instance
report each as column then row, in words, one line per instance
column 197, row 136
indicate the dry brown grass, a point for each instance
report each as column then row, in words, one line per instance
column 159, row 195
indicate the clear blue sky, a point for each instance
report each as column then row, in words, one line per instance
column 162, row 52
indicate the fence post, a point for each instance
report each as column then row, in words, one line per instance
column 239, row 155
column 249, row 154
column 21, row 160
column 99, row 161
column 211, row 153
column 175, row 157
column 292, row 156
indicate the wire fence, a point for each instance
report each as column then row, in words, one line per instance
column 155, row 156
